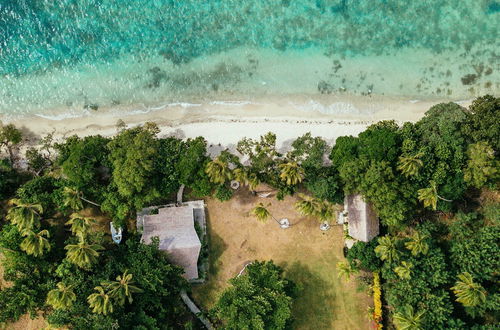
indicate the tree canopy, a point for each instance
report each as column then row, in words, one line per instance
column 260, row 298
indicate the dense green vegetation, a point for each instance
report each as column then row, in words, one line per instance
column 260, row 298
column 433, row 183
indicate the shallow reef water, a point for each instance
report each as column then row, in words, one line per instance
column 75, row 55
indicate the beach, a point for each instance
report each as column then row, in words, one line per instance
column 225, row 122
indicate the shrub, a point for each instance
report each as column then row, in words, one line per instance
column 223, row 193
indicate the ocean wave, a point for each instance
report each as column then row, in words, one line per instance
column 62, row 116
column 232, row 103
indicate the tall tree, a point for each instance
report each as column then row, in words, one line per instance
column 481, row 164
column 291, row 173
column 10, row 137
column 308, row 205
column 387, row 248
column 245, row 177
column 100, row 302
column 218, row 171
column 83, row 255
column 407, row 319
column 24, row 215
column 410, row 165
column 262, row 154
column 257, row 299
column 404, row 270
column 35, row 243
column 85, row 163
column 429, row 196
column 418, row 244
column 262, row 213
column 468, row 292
column 482, row 123
column 80, row 225
column 122, row 288
column 345, row 270
column 61, row 298
column 133, row 154
column 73, row 199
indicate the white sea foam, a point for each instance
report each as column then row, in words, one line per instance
column 61, row 116
column 232, row 103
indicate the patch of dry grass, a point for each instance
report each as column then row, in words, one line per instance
column 307, row 254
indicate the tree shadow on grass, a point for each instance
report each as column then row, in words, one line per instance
column 314, row 305
column 205, row 293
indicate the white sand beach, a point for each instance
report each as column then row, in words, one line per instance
column 225, row 122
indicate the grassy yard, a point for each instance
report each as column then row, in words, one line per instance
column 307, row 254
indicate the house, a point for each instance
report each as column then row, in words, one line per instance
column 363, row 223
column 174, row 225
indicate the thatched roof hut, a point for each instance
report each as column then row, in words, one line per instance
column 363, row 221
column 174, row 226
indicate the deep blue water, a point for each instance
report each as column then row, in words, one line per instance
column 155, row 44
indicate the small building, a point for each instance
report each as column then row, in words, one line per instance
column 174, row 226
column 363, row 223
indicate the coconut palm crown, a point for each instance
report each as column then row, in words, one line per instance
column 261, row 212
column 24, row 215
column 407, row 319
column 468, row 292
column 218, row 171
column 61, row 298
column 418, row 244
column 35, row 243
column 247, row 178
column 83, row 254
column 100, row 302
column 410, row 165
column 404, row 270
column 122, row 288
column 80, row 225
column 429, row 196
column 387, row 249
column 291, row 173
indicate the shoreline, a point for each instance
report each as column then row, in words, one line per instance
column 226, row 121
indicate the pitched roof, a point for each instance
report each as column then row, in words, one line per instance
column 174, row 226
column 362, row 219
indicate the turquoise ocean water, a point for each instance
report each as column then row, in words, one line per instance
column 72, row 56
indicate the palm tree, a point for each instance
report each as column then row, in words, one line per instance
column 387, row 249
column 308, row 205
column 35, row 243
column 62, row 297
column 218, row 171
column 100, row 302
column 245, row 177
column 429, row 196
column 407, row 319
column 291, row 173
column 417, row 244
column 73, row 199
column 345, row 270
column 24, row 215
column 404, row 270
column 80, row 225
column 262, row 213
column 326, row 211
column 410, row 165
column 122, row 288
column 82, row 254
column 468, row 292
